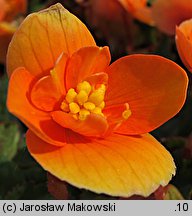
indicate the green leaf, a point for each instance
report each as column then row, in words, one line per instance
column 3, row 95
column 173, row 193
column 9, row 138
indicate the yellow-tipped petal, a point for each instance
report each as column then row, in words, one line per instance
column 118, row 165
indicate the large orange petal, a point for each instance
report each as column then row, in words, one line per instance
column 43, row 36
column 154, row 87
column 95, row 125
column 118, row 165
column 184, row 43
column 18, row 103
column 85, row 62
column 169, row 13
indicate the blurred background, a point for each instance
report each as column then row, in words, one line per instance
column 126, row 29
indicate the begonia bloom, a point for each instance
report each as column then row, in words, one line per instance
column 88, row 120
column 183, row 40
column 169, row 13
column 9, row 12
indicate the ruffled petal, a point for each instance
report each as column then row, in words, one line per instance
column 118, row 165
column 18, row 103
column 43, row 36
column 154, row 87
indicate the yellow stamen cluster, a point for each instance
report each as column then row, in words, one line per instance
column 84, row 100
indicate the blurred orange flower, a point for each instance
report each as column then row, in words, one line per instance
column 136, row 8
column 139, row 10
column 88, row 120
column 9, row 11
column 169, row 13
column 184, row 42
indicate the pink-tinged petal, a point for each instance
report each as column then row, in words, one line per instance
column 118, row 165
column 154, row 87
column 43, row 36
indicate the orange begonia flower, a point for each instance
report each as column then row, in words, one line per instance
column 9, row 11
column 88, row 120
column 169, row 13
column 184, row 42
column 139, row 10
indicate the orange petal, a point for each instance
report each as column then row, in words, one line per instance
column 132, row 5
column 19, row 105
column 98, row 78
column 118, row 165
column 144, row 15
column 48, row 90
column 154, row 87
column 169, row 13
column 43, row 36
column 85, row 62
column 59, row 71
column 139, row 10
column 3, row 6
column 114, row 116
column 184, row 42
column 44, row 94
column 11, row 8
column 95, row 125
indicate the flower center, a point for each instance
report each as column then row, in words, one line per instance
column 83, row 101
